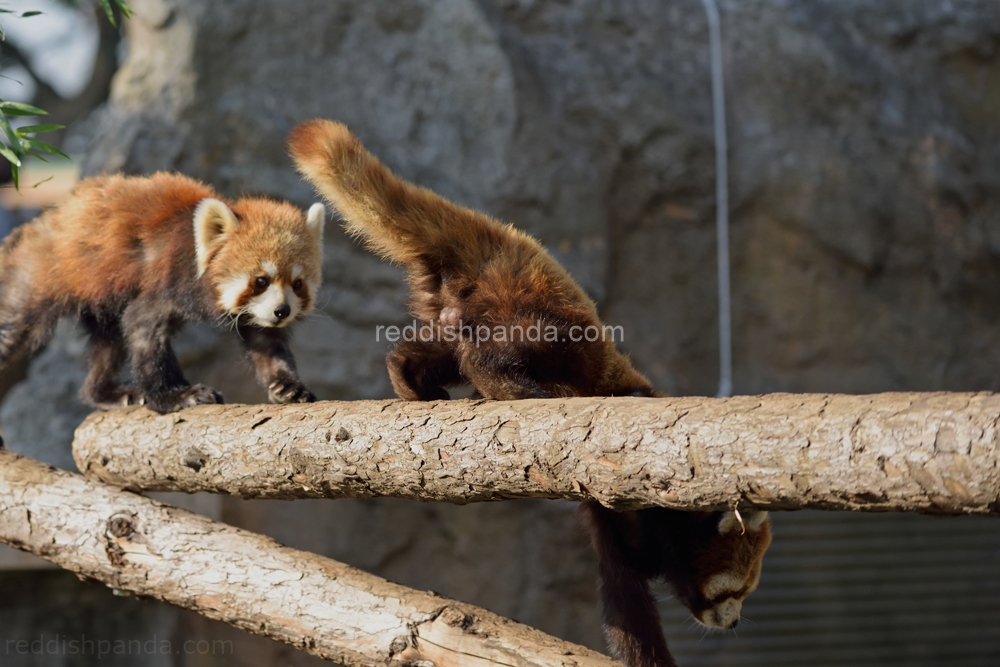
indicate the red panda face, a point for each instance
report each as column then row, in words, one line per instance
column 263, row 258
column 726, row 568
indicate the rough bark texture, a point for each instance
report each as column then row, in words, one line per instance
column 865, row 191
column 934, row 453
column 319, row 605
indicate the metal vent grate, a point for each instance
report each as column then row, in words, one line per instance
column 864, row 590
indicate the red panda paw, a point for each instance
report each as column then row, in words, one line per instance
column 289, row 391
column 116, row 396
column 188, row 397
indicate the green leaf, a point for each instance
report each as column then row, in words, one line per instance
column 38, row 145
column 44, row 180
column 9, row 131
column 14, row 160
column 124, row 8
column 28, row 14
column 106, row 6
column 14, row 169
column 38, row 128
column 21, row 109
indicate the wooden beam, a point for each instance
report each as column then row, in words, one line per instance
column 922, row 452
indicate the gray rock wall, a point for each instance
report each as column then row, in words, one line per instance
column 865, row 191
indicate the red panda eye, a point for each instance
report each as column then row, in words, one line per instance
column 297, row 285
column 262, row 282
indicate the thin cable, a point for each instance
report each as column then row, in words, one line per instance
column 721, row 201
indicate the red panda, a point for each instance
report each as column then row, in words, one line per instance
column 135, row 258
column 466, row 271
column 711, row 560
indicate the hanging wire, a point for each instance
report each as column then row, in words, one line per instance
column 721, row 201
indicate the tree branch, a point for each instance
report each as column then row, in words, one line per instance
column 934, row 453
column 321, row 606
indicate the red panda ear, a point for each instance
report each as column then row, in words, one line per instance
column 755, row 519
column 315, row 218
column 213, row 221
column 749, row 520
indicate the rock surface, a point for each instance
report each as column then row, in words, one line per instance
column 865, row 203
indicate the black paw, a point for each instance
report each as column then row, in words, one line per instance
column 119, row 396
column 188, row 397
column 289, row 391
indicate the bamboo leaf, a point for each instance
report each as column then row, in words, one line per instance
column 38, row 145
column 8, row 130
column 106, row 6
column 11, row 156
column 124, row 8
column 38, row 128
column 21, row 109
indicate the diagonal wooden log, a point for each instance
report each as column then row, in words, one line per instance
column 316, row 604
column 930, row 452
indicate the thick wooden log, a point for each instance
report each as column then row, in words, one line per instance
column 321, row 606
column 932, row 452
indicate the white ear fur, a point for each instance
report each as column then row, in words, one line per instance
column 755, row 519
column 213, row 221
column 751, row 520
column 315, row 219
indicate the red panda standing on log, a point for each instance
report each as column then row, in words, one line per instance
column 135, row 258
column 470, row 273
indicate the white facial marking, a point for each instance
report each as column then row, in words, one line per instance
column 293, row 302
column 724, row 582
column 269, row 268
column 722, row 615
column 262, row 306
column 230, row 291
column 296, row 272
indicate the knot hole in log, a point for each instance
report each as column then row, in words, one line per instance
column 121, row 525
column 194, row 459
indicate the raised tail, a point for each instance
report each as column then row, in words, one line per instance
column 402, row 222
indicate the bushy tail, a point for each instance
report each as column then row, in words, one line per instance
column 402, row 222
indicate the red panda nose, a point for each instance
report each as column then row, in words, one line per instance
column 282, row 311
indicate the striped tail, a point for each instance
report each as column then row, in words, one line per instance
column 400, row 221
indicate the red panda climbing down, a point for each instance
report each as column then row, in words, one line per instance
column 135, row 258
column 467, row 270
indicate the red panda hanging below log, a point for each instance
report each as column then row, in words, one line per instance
column 469, row 273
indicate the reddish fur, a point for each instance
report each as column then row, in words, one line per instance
column 462, row 261
column 120, row 255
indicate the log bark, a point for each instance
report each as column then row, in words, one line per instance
column 321, row 606
column 930, row 452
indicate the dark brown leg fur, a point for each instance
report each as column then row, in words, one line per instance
column 631, row 619
column 498, row 372
column 148, row 326
column 24, row 333
column 421, row 370
column 274, row 364
column 108, row 353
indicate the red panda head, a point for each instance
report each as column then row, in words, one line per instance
column 263, row 257
column 719, row 565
